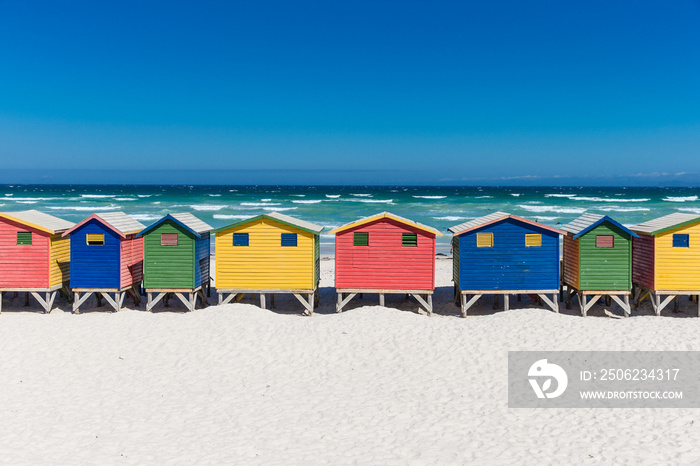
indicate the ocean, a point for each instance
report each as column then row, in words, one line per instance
column 332, row 206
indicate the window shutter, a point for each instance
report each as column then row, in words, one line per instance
column 240, row 239
column 289, row 239
column 95, row 239
column 168, row 239
column 484, row 240
column 409, row 239
column 681, row 241
column 533, row 240
column 24, row 238
column 604, row 241
column 360, row 239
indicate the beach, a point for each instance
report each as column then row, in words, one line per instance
column 238, row 384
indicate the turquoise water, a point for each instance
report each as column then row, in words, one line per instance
column 331, row 206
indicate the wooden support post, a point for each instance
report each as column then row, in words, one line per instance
column 506, row 302
column 262, row 300
column 381, row 299
column 464, row 305
column 657, row 302
column 582, row 304
column 339, row 306
column 312, row 297
column 430, row 304
column 625, row 305
column 221, row 299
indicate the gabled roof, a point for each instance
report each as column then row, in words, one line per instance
column 39, row 220
column 185, row 220
column 119, row 222
column 493, row 218
column 281, row 218
column 374, row 218
column 665, row 223
column 587, row 222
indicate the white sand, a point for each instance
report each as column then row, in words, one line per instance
column 240, row 385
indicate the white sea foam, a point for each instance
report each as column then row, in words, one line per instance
column 430, row 197
column 97, row 196
column 144, row 195
column 214, row 195
column 622, row 209
column 81, row 208
column 124, row 198
column 298, row 195
column 266, row 200
column 145, row 217
column 484, row 197
column 9, row 194
column 26, row 202
column 545, row 218
column 680, row 199
column 515, row 194
column 451, row 218
column 207, row 207
column 694, row 210
column 361, row 195
column 35, row 199
column 560, row 195
column 307, row 201
column 373, row 201
column 278, row 209
column 603, row 199
column 259, row 204
column 229, row 217
column 555, row 209
column 156, row 202
column 333, row 196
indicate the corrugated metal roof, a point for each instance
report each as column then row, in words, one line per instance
column 122, row 222
column 381, row 215
column 497, row 217
column 587, row 221
column 303, row 224
column 286, row 219
column 581, row 223
column 667, row 222
column 192, row 222
column 477, row 222
column 39, row 219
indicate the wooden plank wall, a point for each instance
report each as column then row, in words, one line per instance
column 643, row 261
column 455, row 260
column 605, row 268
column 678, row 268
column 94, row 266
column 571, row 261
column 59, row 267
column 202, row 252
column 132, row 260
column 385, row 263
column 168, row 266
column 23, row 265
column 265, row 264
column 509, row 264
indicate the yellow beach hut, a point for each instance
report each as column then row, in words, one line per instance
column 268, row 254
column 666, row 259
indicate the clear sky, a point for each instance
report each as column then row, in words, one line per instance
column 482, row 92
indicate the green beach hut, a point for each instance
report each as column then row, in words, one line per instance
column 176, row 259
column 597, row 261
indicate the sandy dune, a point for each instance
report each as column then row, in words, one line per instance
column 374, row 385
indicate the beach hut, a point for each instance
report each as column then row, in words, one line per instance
column 34, row 258
column 385, row 254
column 176, row 253
column 268, row 254
column 666, row 259
column 106, row 257
column 503, row 254
column 597, row 261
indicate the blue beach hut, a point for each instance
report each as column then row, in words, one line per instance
column 503, row 254
column 106, row 257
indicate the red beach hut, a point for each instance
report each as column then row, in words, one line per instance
column 385, row 254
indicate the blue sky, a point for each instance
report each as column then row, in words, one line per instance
column 395, row 92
